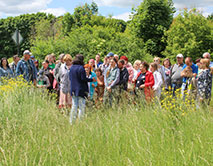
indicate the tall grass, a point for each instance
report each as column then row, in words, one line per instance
column 34, row 132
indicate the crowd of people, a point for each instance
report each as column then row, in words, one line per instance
column 102, row 82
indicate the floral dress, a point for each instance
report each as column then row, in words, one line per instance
column 204, row 84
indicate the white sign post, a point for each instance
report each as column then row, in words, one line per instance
column 17, row 39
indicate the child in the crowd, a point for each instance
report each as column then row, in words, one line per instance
column 188, row 74
column 91, row 85
column 100, row 86
column 158, row 79
column 92, row 65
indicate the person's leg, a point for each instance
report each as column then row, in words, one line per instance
column 110, row 99
column 82, row 103
column 62, row 99
column 183, row 88
column 173, row 89
column 106, row 98
column 69, row 100
column 73, row 114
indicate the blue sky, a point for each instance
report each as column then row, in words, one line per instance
column 118, row 8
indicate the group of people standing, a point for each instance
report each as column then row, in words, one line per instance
column 108, row 81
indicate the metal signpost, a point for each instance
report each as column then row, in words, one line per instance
column 17, row 39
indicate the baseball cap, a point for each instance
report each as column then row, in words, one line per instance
column 26, row 52
column 124, row 58
column 32, row 57
column 179, row 56
column 110, row 54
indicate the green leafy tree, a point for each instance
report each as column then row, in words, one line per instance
column 67, row 23
column 118, row 25
column 89, row 41
column 45, row 29
column 190, row 34
column 24, row 23
column 82, row 14
column 150, row 20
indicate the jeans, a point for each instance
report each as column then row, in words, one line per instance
column 77, row 102
column 175, row 87
column 183, row 88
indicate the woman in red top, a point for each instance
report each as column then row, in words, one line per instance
column 148, row 83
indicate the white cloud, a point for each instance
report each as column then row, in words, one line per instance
column 118, row 3
column 55, row 11
column 178, row 3
column 124, row 16
column 15, row 7
column 206, row 14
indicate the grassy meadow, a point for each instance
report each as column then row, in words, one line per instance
column 34, row 132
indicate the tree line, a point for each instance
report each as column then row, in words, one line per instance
column 152, row 31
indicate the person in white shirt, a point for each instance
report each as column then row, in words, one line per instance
column 158, row 79
column 136, row 67
column 161, row 69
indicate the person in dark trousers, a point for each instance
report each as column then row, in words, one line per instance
column 78, row 87
column 124, row 76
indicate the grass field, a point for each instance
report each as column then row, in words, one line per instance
column 34, row 132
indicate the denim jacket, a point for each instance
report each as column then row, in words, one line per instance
column 22, row 69
column 111, row 77
column 6, row 73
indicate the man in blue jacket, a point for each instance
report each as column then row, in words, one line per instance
column 79, row 87
column 27, row 68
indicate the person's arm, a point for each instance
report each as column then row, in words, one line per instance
column 117, row 79
column 57, row 72
column 183, row 74
column 164, row 73
column 150, row 82
column 105, row 77
column 171, row 72
column 48, row 83
column 1, row 73
column 34, row 71
column 211, row 69
column 195, row 73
